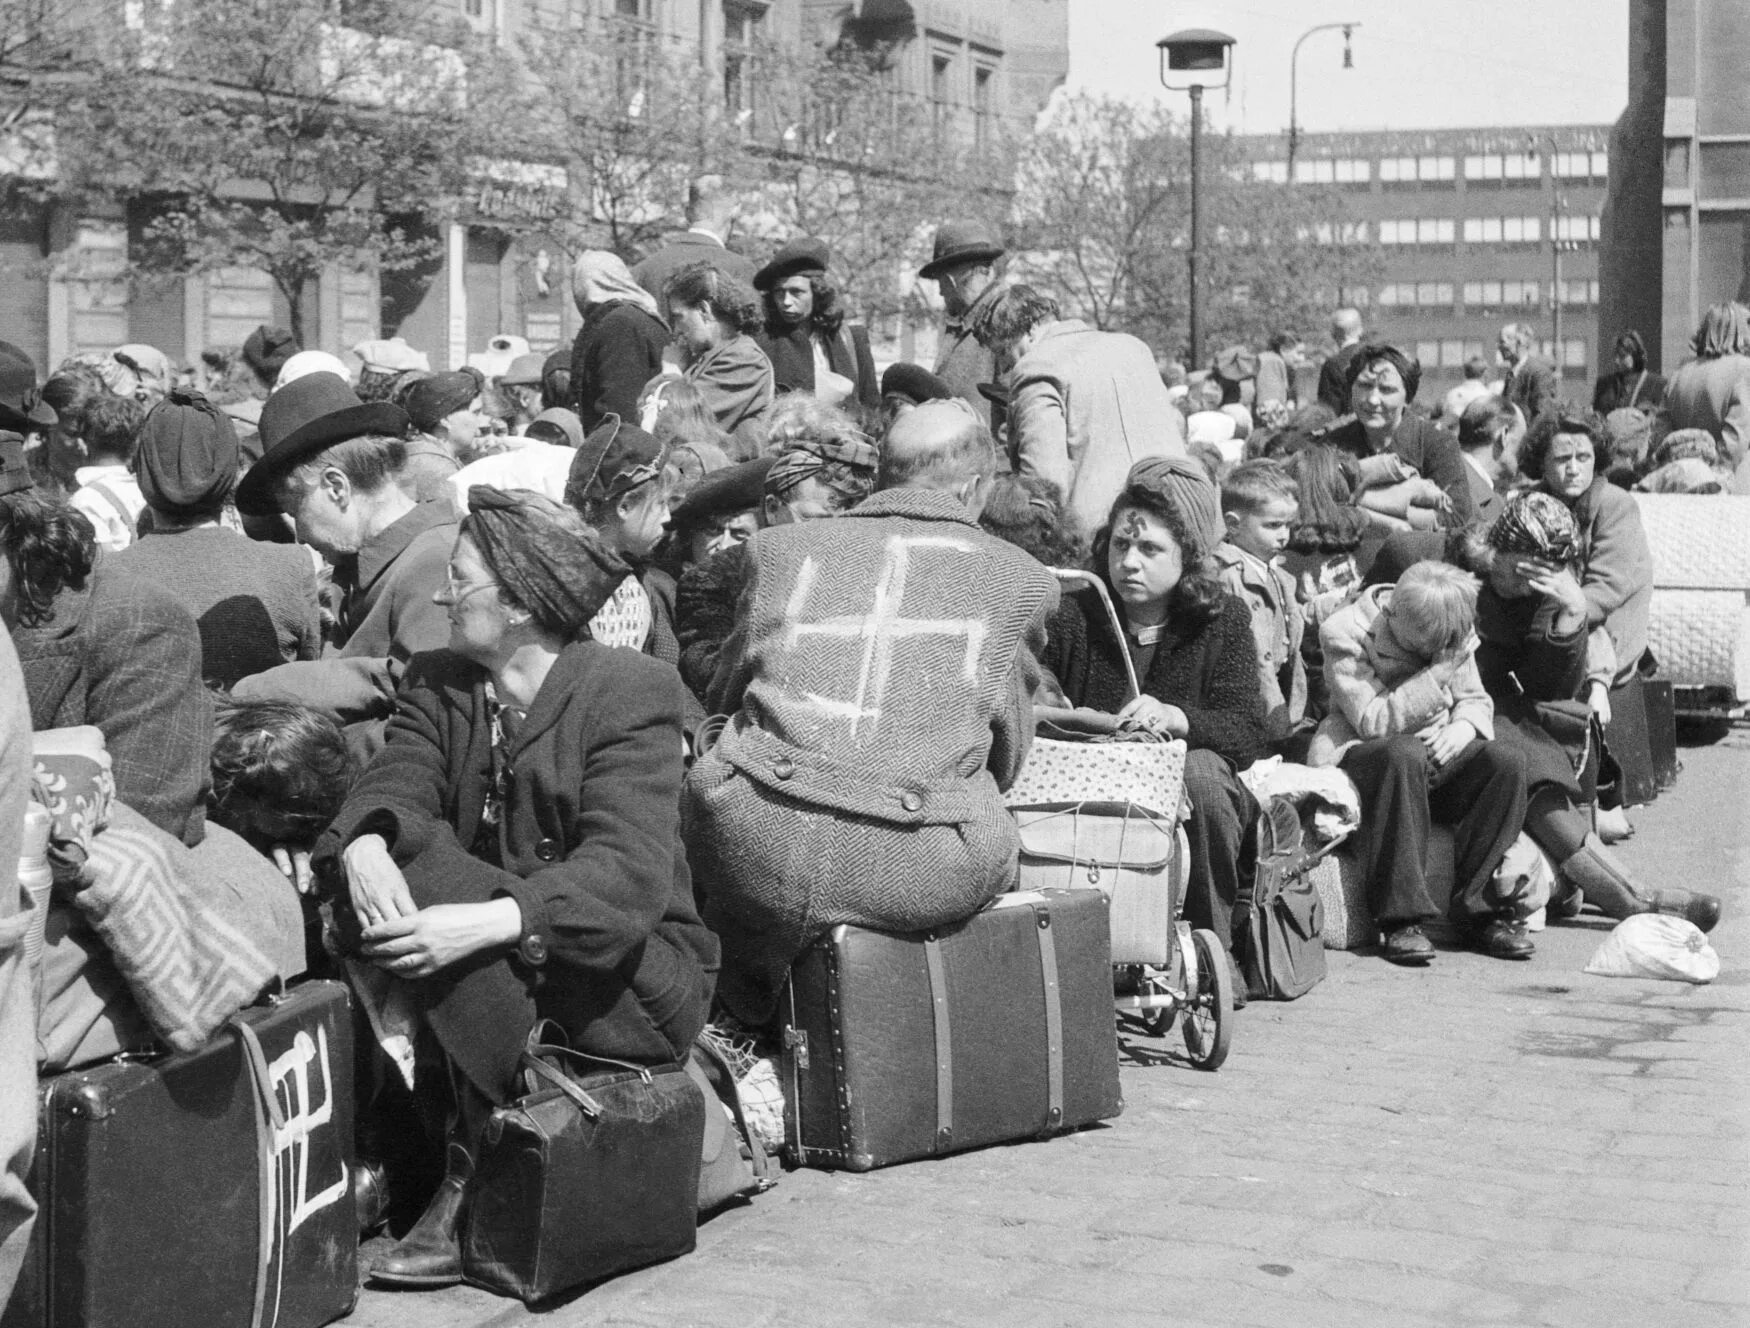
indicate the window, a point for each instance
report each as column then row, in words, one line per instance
column 1270, row 172
column 941, row 90
column 97, row 275
column 1419, row 230
column 1573, row 352
column 1452, row 354
column 984, row 106
column 741, row 27
column 1412, row 170
column 1580, row 293
column 1503, row 168
column 1432, row 295
column 1333, row 170
column 1580, row 165
column 1578, row 230
column 1358, row 297
column 1428, row 352
column 1502, row 230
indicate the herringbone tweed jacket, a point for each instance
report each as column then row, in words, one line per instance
column 880, row 683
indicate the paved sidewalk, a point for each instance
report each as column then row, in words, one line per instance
column 1483, row 1142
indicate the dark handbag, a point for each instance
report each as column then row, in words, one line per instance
column 590, row 1173
column 733, row 1162
column 1280, row 941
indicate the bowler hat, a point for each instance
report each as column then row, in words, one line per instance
column 20, row 408
column 960, row 242
column 303, row 418
column 807, row 254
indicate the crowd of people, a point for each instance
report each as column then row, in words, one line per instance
column 596, row 689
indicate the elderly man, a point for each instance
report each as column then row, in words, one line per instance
column 1530, row 383
column 964, row 268
column 711, row 209
column 1084, row 406
column 846, row 787
column 332, row 465
column 1346, row 332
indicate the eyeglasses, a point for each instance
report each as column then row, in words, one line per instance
column 455, row 592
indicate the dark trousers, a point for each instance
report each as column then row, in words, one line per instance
column 1480, row 793
column 1223, row 822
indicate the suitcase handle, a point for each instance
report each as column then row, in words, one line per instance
column 269, row 1121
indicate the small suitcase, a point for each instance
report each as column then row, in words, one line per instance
column 177, row 1191
column 995, row 1029
column 1127, row 852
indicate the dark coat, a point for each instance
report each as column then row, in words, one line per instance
column 1613, row 391
column 792, row 355
column 1532, row 387
column 881, row 683
column 705, row 613
column 962, row 363
column 1209, row 671
column 1334, row 379
column 618, row 350
column 1426, row 446
column 1522, row 662
column 685, row 248
column 125, row 655
column 612, row 947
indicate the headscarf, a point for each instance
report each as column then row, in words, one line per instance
column 440, row 394
column 598, row 277
column 1535, row 524
column 1183, row 486
column 1627, row 432
column 1724, row 330
column 544, row 556
column 187, row 458
column 558, row 425
column 148, row 367
column 805, row 457
column 1681, row 444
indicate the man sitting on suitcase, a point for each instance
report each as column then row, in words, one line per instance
column 880, row 686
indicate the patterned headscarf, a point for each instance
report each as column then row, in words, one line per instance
column 806, row 457
column 543, row 555
column 1535, row 524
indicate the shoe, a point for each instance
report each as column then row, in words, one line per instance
column 1613, row 825
column 1565, row 901
column 370, row 1195
column 1502, row 939
column 1407, row 945
column 430, row 1254
column 1702, row 910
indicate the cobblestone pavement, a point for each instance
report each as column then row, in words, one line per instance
column 1483, row 1142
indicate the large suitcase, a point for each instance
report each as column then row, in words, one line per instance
column 995, row 1029
column 212, row 1187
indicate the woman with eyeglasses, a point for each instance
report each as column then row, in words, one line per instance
column 713, row 317
column 513, row 852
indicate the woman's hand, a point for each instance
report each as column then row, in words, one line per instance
column 1598, row 700
column 1558, row 585
column 1154, row 716
column 1449, row 740
column 1426, row 493
column 430, row 940
column 378, row 889
column 294, row 865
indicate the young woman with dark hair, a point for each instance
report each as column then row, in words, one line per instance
column 1191, row 645
column 1629, row 382
column 813, row 348
column 713, row 317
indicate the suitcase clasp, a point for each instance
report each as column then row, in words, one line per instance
column 796, row 1040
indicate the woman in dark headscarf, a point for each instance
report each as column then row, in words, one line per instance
column 255, row 602
column 1629, row 382
column 513, row 852
column 1539, row 655
column 619, row 347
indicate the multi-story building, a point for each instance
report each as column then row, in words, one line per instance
column 1474, row 228
column 68, row 285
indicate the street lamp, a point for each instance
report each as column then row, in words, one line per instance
column 1555, row 252
column 1294, row 83
column 1200, row 56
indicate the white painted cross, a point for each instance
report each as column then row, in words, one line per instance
column 880, row 629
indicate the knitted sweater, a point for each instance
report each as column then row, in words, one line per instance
column 255, row 603
column 1210, row 671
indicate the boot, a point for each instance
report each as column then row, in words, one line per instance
column 1607, row 887
column 430, row 1254
column 1702, row 910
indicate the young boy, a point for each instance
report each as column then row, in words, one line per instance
column 1411, row 724
column 108, row 493
column 1259, row 504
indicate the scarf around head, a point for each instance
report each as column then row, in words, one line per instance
column 187, row 459
column 544, row 556
column 600, row 277
column 1537, row 525
column 806, row 457
column 1184, row 487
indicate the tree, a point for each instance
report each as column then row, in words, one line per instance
column 1103, row 204
column 291, row 136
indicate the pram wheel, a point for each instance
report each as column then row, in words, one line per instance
column 1209, row 1002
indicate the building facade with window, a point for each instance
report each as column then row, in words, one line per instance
column 1470, row 227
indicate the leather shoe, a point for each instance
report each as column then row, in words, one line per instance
column 430, row 1254
column 1503, row 939
column 1407, row 945
column 1702, row 910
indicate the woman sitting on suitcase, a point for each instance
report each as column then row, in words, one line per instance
column 513, row 852
column 1191, row 645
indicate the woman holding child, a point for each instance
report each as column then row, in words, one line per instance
column 1191, row 645
column 514, row 850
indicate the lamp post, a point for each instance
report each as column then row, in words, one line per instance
column 1201, row 56
column 1555, row 254
column 1294, row 83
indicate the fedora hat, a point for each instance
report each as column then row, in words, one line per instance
column 301, row 419
column 21, row 409
column 807, row 254
column 959, row 242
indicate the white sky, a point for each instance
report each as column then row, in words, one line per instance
column 1419, row 64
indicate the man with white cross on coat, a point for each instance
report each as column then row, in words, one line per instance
column 880, row 687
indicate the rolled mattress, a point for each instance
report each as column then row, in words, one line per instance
column 1701, row 638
